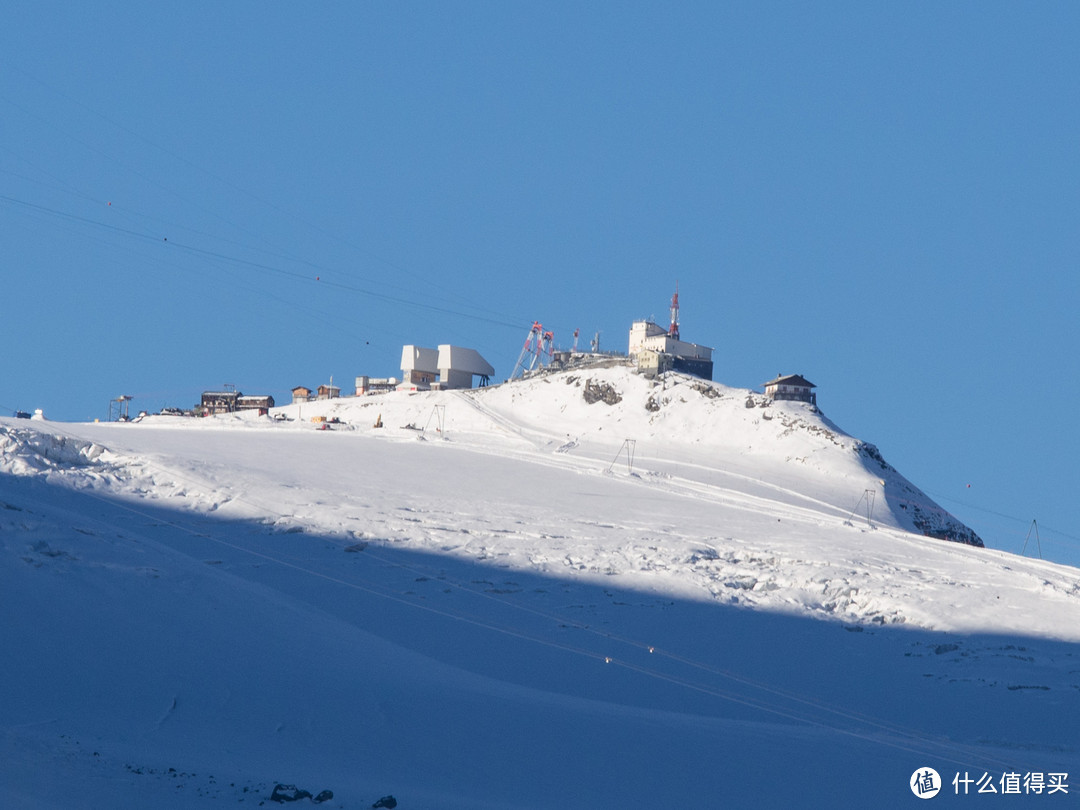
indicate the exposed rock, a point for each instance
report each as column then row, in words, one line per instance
column 288, row 793
column 291, row 793
column 870, row 451
column 706, row 390
column 951, row 530
column 602, row 392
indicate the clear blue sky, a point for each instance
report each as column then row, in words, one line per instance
column 880, row 196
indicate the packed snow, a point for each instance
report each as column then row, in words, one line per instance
column 583, row 589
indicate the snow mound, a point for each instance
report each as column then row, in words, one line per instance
column 28, row 452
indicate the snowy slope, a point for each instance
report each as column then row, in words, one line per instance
column 497, row 600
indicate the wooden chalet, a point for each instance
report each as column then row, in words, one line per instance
column 259, row 403
column 213, row 402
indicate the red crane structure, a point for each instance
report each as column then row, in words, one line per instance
column 539, row 346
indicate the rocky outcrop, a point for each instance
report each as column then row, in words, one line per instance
column 601, row 392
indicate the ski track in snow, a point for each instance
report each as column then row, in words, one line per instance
column 640, row 553
column 536, row 531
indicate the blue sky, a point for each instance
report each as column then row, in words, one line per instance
column 880, row 196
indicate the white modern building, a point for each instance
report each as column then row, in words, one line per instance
column 447, row 367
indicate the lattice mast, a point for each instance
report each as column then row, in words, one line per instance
column 532, row 349
column 547, row 348
column 673, row 330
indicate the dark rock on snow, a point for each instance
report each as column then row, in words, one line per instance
column 291, row 793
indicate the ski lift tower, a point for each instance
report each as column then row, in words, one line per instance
column 533, row 348
column 119, row 407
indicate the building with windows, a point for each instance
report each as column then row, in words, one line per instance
column 793, row 387
column 655, row 350
column 214, row 402
column 375, row 385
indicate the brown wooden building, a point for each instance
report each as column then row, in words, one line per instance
column 214, row 402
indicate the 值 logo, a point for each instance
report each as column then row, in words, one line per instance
column 925, row 783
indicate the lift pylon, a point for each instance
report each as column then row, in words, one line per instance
column 531, row 347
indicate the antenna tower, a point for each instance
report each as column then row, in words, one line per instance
column 673, row 330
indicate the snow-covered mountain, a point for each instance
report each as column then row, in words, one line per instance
column 584, row 589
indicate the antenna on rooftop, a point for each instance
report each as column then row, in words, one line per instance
column 673, row 330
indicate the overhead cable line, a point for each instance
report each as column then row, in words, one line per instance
column 236, row 260
column 293, row 216
column 1014, row 518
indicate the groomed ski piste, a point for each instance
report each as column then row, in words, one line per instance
column 584, row 589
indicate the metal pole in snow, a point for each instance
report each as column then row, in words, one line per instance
column 1033, row 527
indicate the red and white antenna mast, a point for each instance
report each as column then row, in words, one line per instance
column 673, row 331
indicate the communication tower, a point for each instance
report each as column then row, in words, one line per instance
column 673, row 330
